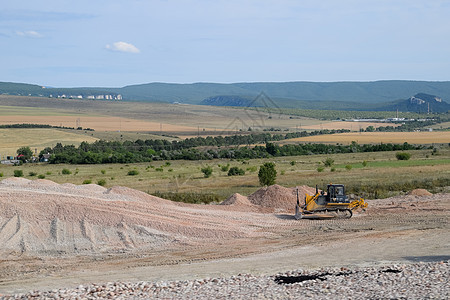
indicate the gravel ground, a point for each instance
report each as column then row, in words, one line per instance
column 401, row 281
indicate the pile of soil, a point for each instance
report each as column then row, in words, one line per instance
column 420, row 192
column 280, row 198
column 43, row 217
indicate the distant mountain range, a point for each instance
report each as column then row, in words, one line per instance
column 376, row 95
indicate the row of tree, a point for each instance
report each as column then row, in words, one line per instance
column 118, row 152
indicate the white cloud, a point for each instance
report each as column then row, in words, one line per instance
column 29, row 33
column 123, row 47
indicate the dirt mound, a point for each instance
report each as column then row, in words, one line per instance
column 46, row 218
column 279, row 198
column 420, row 192
column 236, row 199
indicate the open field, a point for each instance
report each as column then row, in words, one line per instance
column 434, row 137
column 352, row 126
column 37, row 139
column 186, row 176
column 176, row 119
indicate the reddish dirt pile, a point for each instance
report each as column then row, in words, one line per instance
column 420, row 192
column 280, row 198
column 43, row 217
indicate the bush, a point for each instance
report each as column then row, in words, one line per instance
column 101, row 182
column 159, row 169
column 364, row 163
column 41, row 176
column 133, row 172
column 348, row 167
column 403, row 155
column 320, row 169
column 328, row 162
column 207, row 171
column 103, row 171
column 235, row 171
column 225, row 168
column 48, row 173
column 87, row 181
column 18, row 173
column 267, row 174
column 293, row 163
column 32, row 174
column 66, row 171
column 333, row 169
column 1, row 174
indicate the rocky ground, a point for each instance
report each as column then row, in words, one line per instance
column 411, row 281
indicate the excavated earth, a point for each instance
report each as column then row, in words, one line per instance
column 54, row 236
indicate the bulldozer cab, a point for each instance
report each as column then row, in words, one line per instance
column 336, row 193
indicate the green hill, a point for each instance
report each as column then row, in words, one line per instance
column 374, row 95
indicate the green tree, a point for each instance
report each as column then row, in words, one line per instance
column 267, row 174
column 26, row 152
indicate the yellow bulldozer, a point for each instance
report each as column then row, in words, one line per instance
column 332, row 204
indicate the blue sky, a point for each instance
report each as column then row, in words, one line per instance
column 120, row 42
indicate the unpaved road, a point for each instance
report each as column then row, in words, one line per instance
column 65, row 243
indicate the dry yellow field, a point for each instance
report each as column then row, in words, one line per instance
column 37, row 139
column 98, row 123
column 353, row 126
column 379, row 137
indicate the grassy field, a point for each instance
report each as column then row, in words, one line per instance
column 38, row 138
column 381, row 171
column 378, row 137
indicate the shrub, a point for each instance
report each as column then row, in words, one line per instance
column 1, row 174
column 18, row 173
column 403, row 155
column 48, row 173
column 101, row 182
column 32, row 174
column 103, row 171
column 66, row 171
column 267, row 174
column 168, row 163
column 348, row 167
column 320, row 169
column 159, row 169
column 207, row 171
column 328, row 162
column 133, row 172
column 235, row 171
column 333, row 169
column 41, row 176
column 87, row 181
column 293, row 163
column 364, row 163
column 225, row 168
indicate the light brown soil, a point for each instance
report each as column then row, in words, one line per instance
column 55, row 235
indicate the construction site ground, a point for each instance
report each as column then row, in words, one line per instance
column 54, row 236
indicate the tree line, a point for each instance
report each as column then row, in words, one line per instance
column 101, row 152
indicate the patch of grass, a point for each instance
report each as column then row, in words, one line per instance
column 133, row 172
column 41, row 176
column 189, row 197
column 87, row 181
column 32, row 174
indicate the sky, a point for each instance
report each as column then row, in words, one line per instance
column 114, row 43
